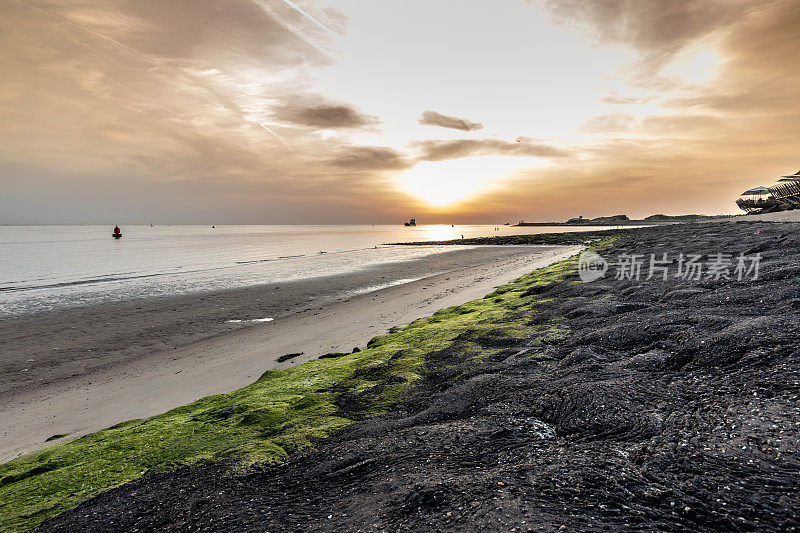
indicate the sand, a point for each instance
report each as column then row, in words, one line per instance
column 669, row 406
column 50, row 346
column 138, row 359
column 782, row 216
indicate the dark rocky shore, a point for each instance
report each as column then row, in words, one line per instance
column 671, row 405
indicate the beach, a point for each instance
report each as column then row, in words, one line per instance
column 555, row 402
column 80, row 370
column 791, row 216
column 394, row 266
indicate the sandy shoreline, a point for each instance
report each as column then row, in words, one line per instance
column 664, row 405
column 781, row 216
column 43, row 348
column 185, row 349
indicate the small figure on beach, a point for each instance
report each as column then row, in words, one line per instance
column 117, row 233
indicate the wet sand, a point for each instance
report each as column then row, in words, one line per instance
column 671, row 405
column 43, row 348
column 78, row 371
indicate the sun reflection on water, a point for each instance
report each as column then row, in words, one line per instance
column 440, row 232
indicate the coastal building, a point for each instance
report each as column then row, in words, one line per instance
column 787, row 190
column 783, row 195
column 756, row 200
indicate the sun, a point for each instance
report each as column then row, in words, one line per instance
column 444, row 183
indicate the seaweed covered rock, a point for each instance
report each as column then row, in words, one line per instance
column 667, row 405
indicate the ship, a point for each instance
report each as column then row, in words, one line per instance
column 412, row 222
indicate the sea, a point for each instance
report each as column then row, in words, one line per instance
column 55, row 267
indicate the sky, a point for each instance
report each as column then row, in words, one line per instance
column 373, row 112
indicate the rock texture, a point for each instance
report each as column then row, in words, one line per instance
column 671, row 405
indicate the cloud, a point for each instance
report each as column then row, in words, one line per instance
column 615, row 98
column 760, row 75
column 370, row 158
column 158, row 77
column 614, row 122
column 440, row 150
column 323, row 115
column 656, row 29
column 181, row 97
column 187, row 30
column 210, row 113
column 432, row 118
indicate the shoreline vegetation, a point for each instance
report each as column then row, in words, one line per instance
column 283, row 412
column 623, row 404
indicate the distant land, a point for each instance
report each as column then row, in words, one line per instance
column 623, row 220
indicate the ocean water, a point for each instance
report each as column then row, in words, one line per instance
column 52, row 267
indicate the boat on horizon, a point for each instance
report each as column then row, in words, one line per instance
column 412, row 222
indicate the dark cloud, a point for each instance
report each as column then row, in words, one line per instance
column 370, row 158
column 432, row 118
column 438, row 150
column 323, row 115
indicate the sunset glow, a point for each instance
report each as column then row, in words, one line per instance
column 444, row 183
column 364, row 112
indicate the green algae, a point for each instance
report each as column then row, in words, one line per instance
column 285, row 410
